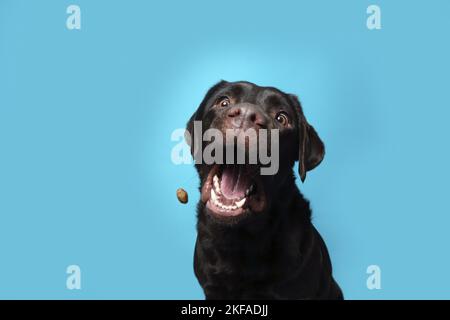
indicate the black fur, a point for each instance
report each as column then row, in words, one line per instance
column 277, row 253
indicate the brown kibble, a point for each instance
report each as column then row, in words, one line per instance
column 182, row 195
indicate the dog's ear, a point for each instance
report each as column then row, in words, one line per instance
column 198, row 115
column 311, row 149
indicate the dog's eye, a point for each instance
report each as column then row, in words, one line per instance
column 282, row 118
column 223, row 101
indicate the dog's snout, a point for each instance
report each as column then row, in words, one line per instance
column 247, row 115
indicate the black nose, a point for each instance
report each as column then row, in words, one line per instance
column 247, row 115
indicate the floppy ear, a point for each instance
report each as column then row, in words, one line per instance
column 311, row 149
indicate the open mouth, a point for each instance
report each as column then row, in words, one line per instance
column 232, row 190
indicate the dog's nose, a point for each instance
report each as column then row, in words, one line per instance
column 247, row 115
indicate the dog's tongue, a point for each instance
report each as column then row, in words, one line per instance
column 234, row 182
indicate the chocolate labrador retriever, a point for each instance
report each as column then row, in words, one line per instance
column 255, row 236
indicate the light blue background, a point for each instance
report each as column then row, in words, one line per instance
column 86, row 118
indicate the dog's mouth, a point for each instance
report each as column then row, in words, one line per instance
column 232, row 190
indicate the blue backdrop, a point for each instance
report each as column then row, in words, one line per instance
column 86, row 117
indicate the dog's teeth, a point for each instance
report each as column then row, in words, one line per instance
column 213, row 196
column 216, row 184
column 240, row 203
column 215, row 200
column 250, row 190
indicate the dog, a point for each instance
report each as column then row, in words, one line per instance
column 255, row 237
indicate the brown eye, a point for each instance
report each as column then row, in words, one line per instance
column 282, row 118
column 223, row 101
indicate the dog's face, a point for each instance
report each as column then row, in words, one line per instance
column 230, row 191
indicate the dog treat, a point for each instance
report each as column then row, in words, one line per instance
column 182, row 195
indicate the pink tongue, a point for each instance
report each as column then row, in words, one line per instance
column 234, row 182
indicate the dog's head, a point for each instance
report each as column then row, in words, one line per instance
column 230, row 189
